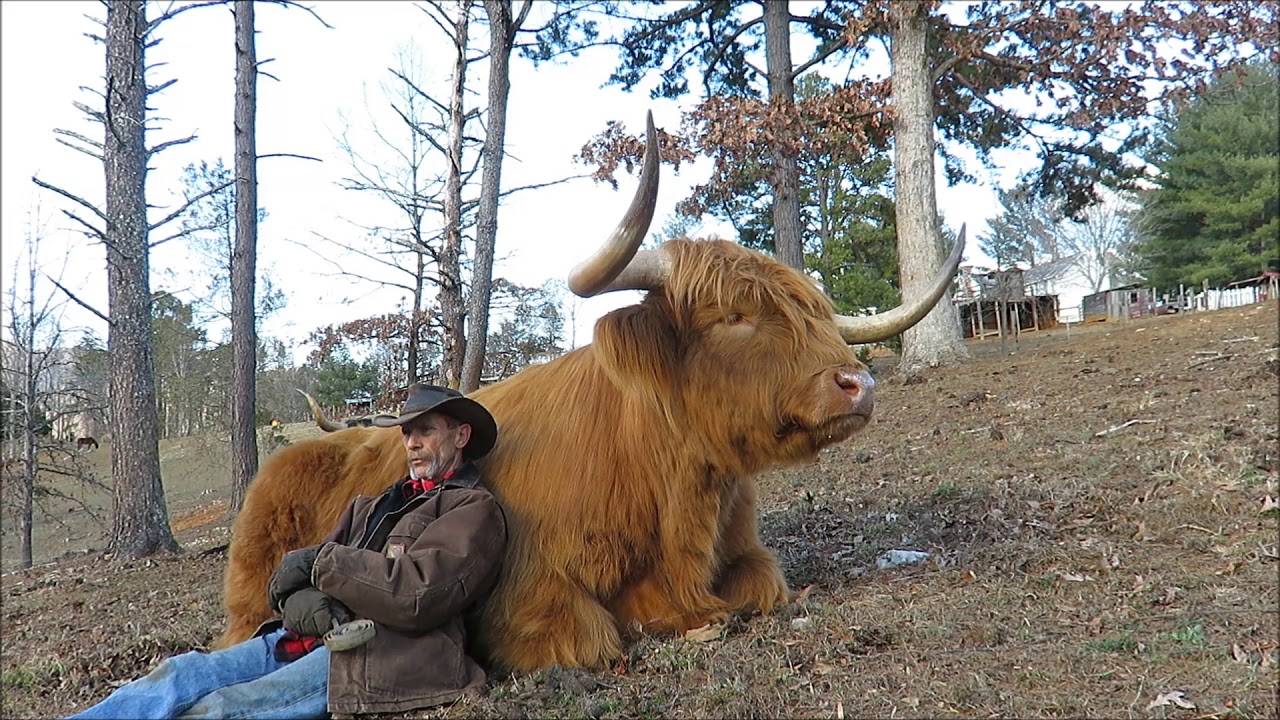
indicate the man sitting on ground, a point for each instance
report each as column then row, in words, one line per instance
column 404, row 566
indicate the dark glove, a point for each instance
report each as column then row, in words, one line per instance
column 291, row 575
column 311, row 612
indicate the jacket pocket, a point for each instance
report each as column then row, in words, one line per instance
column 415, row 665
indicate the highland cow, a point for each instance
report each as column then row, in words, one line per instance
column 627, row 466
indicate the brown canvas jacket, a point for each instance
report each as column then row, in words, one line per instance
column 415, row 575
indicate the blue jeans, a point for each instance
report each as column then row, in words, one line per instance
column 242, row 681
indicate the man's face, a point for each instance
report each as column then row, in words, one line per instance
column 433, row 443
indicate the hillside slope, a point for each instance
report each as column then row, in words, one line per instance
column 1098, row 509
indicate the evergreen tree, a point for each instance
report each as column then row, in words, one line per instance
column 1213, row 215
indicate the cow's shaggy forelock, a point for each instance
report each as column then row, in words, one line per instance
column 718, row 276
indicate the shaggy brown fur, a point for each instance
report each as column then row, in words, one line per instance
column 626, row 467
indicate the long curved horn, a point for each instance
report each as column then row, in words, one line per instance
column 611, row 262
column 317, row 412
column 874, row 328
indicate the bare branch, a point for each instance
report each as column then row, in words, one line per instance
column 309, row 11
column 168, row 144
column 819, row 56
column 101, row 235
column 190, row 202
column 171, row 14
column 187, row 231
column 90, row 153
column 81, row 138
column 80, row 302
column 95, row 114
column 289, row 155
column 157, row 88
column 733, row 37
column 538, row 186
column 422, row 93
column 74, row 198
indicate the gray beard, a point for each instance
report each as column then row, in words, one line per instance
column 434, row 471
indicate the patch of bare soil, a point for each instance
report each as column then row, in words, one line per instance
column 1098, row 509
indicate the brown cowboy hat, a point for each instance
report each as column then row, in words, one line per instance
column 425, row 398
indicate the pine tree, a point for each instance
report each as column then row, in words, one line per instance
column 1213, row 215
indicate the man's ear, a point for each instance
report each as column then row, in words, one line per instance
column 464, row 436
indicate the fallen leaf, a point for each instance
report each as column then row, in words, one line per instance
column 1173, row 697
column 1239, row 654
column 1073, row 577
column 800, row 596
column 1269, row 505
column 706, row 633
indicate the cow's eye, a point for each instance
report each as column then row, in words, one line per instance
column 735, row 318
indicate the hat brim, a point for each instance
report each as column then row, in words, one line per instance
column 484, row 430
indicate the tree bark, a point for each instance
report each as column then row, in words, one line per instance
column 788, row 235
column 244, row 335
column 451, row 300
column 936, row 340
column 140, row 525
column 501, row 37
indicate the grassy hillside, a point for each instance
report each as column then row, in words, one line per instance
column 1099, row 509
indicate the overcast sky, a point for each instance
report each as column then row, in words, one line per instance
column 325, row 76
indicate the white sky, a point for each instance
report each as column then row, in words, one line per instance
column 325, row 74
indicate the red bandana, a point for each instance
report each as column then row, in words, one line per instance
column 414, row 488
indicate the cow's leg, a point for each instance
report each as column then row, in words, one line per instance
column 749, row 579
column 549, row 621
column 245, row 595
column 650, row 606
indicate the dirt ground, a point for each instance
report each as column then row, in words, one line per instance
column 1099, row 509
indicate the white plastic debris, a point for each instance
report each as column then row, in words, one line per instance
column 895, row 558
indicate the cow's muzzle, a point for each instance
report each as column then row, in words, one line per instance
column 859, row 387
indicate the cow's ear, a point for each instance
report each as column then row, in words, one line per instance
column 637, row 348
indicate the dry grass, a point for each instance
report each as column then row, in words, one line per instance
column 1071, row 574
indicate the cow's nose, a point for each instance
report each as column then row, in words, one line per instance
column 860, row 388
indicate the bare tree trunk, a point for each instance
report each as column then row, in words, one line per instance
column 416, row 320
column 141, row 520
column 501, row 35
column 451, row 302
column 244, row 335
column 937, row 339
column 27, row 417
column 788, row 236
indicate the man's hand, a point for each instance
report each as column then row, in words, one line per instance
column 311, row 612
column 291, row 575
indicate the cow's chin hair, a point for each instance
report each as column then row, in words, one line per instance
column 813, row 437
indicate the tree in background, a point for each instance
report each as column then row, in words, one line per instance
column 504, row 22
column 1214, row 213
column 1025, row 231
column 243, row 261
column 386, row 340
column 1097, row 73
column 39, row 401
column 750, row 112
column 400, row 174
column 534, row 331
column 1101, row 240
column 936, row 339
column 140, row 519
column 209, row 229
column 191, row 385
column 338, row 377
